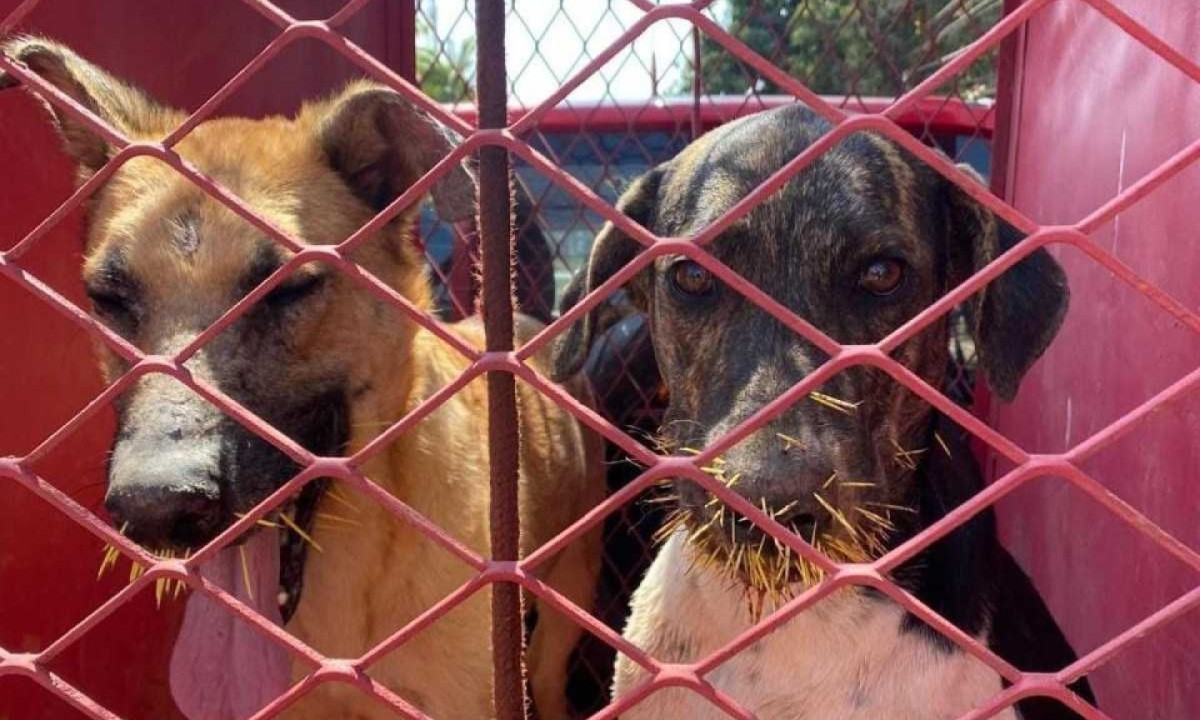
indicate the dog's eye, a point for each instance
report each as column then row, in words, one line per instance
column 882, row 276
column 294, row 290
column 112, row 306
column 690, row 278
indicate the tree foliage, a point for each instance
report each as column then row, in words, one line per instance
column 850, row 47
column 445, row 68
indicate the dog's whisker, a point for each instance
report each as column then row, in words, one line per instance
column 136, row 570
column 246, row 571
column 789, row 442
column 942, row 443
column 335, row 495
column 905, row 457
column 179, row 584
column 108, row 561
column 785, row 509
column 876, row 518
column 709, row 525
column 758, row 558
column 262, row 522
column 890, row 506
column 673, row 522
column 856, row 484
column 900, row 456
column 829, row 480
column 321, row 515
column 834, row 403
column 287, row 520
column 837, row 515
column 661, row 499
column 372, row 424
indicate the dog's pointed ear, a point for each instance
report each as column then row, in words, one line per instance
column 128, row 109
column 1016, row 315
column 611, row 251
column 380, row 144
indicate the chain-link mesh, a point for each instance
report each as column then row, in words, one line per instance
column 933, row 55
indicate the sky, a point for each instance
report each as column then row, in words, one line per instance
column 550, row 40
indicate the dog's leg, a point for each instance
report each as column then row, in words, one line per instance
column 574, row 575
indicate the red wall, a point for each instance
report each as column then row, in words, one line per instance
column 1095, row 113
column 182, row 52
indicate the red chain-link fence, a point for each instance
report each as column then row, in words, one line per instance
column 920, row 73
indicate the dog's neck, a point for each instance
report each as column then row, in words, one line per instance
column 953, row 576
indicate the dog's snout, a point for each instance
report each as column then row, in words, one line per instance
column 799, row 520
column 172, row 500
column 164, row 515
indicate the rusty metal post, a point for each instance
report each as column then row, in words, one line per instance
column 697, row 81
column 495, row 228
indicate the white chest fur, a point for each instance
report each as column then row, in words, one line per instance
column 845, row 658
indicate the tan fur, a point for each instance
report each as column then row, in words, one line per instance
column 405, row 575
column 377, row 576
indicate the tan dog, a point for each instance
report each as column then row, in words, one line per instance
column 331, row 366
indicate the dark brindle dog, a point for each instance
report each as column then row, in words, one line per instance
column 858, row 243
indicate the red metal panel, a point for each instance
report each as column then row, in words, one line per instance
column 48, row 603
column 183, row 52
column 1097, row 112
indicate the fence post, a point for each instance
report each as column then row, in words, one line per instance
column 495, row 228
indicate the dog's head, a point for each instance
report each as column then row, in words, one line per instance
column 164, row 260
column 858, row 243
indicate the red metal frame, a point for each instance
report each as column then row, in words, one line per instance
column 883, row 120
column 940, row 115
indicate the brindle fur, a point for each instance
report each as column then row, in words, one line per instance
column 722, row 358
column 326, row 363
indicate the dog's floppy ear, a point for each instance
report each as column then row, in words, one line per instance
column 1015, row 316
column 128, row 109
column 611, row 251
column 380, row 144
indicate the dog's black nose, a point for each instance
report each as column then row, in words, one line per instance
column 799, row 521
column 163, row 513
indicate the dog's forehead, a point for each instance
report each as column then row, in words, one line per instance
column 172, row 236
column 859, row 188
column 170, row 233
